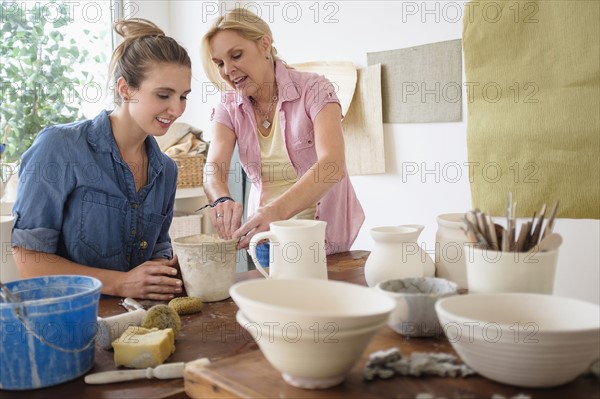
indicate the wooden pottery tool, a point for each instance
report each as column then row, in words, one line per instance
column 131, row 304
column 523, row 236
column 535, row 236
column 493, row 237
column 550, row 222
column 549, row 243
column 163, row 372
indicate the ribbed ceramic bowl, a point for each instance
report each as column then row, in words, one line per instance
column 527, row 340
column 312, row 331
column 310, row 359
column 311, row 303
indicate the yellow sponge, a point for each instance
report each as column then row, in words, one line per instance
column 161, row 317
column 140, row 347
column 186, row 305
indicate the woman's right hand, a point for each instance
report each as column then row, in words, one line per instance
column 226, row 217
column 154, row 279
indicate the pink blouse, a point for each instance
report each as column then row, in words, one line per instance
column 302, row 96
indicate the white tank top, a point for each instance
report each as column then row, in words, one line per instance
column 278, row 174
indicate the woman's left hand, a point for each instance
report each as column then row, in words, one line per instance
column 260, row 221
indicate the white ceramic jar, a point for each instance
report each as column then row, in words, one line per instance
column 397, row 255
column 449, row 252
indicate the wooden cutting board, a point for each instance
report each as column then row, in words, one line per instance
column 249, row 375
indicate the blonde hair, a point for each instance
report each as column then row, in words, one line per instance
column 144, row 44
column 247, row 24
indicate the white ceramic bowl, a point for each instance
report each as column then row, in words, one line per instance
column 414, row 315
column 528, row 340
column 311, row 303
column 310, row 359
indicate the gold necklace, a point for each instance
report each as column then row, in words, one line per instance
column 266, row 124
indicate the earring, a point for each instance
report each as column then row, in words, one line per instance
column 268, row 57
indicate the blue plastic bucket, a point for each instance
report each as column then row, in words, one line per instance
column 49, row 336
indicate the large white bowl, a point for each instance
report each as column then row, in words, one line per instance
column 311, row 304
column 528, row 340
column 310, row 359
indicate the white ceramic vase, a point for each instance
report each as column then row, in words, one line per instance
column 397, row 255
column 450, row 240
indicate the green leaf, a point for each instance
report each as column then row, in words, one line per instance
column 41, row 71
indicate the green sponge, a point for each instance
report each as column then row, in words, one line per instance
column 161, row 317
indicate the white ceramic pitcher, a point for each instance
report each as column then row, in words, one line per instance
column 297, row 249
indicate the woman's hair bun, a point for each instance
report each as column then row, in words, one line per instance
column 144, row 44
column 135, row 28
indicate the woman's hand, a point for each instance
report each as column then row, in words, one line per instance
column 260, row 221
column 153, row 279
column 226, row 217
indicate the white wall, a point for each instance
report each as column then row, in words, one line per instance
column 425, row 168
column 155, row 11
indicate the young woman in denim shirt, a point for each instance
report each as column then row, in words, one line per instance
column 96, row 197
column 287, row 126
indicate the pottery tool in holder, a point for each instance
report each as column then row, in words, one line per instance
column 111, row 328
column 533, row 235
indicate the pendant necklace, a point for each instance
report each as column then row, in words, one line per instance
column 266, row 124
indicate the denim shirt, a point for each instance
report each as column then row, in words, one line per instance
column 77, row 198
column 303, row 95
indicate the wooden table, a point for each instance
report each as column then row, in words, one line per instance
column 239, row 369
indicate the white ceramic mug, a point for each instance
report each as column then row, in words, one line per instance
column 297, row 249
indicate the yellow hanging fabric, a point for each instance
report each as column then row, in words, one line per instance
column 533, row 87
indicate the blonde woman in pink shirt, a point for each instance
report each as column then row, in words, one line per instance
column 287, row 125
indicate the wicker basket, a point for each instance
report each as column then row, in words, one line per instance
column 185, row 224
column 191, row 170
